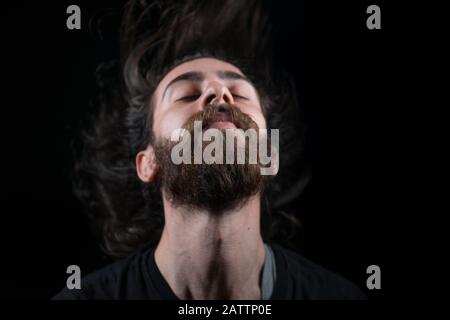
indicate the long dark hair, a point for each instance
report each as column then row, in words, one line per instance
column 155, row 37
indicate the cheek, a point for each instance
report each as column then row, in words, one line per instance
column 256, row 114
column 171, row 120
column 260, row 120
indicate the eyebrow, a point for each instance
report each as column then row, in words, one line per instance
column 200, row 76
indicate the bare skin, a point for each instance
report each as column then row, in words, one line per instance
column 202, row 255
column 207, row 257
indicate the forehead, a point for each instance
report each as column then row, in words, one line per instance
column 208, row 66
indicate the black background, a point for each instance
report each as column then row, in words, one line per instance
column 343, row 73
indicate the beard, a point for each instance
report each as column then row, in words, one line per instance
column 216, row 187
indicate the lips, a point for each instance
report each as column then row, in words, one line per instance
column 221, row 117
column 222, row 120
column 222, row 125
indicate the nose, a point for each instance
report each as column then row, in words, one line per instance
column 216, row 93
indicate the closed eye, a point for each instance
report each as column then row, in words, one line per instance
column 236, row 96
column 196, row 96
column 188, row 98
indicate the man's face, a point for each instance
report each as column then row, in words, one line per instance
column 191, row 86
column 218, row 94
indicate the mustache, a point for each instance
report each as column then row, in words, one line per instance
column 221, row 112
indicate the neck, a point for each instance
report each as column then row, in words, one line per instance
column 203, row 256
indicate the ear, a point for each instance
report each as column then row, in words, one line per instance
column 146, row 166
column 275, row 155
column 272, row 170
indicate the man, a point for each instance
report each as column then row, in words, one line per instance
column 199, row 63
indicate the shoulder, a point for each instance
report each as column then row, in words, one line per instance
column 304, row 279
column 112, row 282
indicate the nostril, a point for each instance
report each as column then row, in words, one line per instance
column 210, row 98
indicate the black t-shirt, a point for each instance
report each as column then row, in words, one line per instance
column 138, row 278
